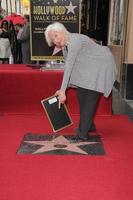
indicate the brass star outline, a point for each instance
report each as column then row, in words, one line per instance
column 60, row 140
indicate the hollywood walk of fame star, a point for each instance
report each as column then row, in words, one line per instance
column 70, row 8
column 60, row 142
column 56, row 50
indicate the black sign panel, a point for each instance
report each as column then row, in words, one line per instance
column 59, row 118
column 46, row 12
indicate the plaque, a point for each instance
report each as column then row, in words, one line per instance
column 58, row 118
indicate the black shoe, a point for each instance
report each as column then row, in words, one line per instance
column 93, row 129
column 78, row 138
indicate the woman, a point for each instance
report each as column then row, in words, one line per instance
column 5, row 47
column 89, row 67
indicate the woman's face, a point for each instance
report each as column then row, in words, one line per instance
column 5, row 25
column 58, row 38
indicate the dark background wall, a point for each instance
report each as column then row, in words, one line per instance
column 95, row 19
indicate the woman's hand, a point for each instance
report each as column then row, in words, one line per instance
column 61, row 97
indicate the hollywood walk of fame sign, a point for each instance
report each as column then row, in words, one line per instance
column 60, row 145
column 46, row 12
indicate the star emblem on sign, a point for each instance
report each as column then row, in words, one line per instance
column 70, row 8
column 60, row 142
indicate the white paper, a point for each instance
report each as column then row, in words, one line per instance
column 53, row 100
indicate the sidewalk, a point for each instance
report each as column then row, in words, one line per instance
column 120, row 105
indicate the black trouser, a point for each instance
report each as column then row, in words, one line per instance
column 87, row 105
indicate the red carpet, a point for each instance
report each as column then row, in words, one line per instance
column 43, row 177
column 22, row 89
column 66, row 177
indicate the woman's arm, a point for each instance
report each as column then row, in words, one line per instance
column 74, row 47
column 73, row 51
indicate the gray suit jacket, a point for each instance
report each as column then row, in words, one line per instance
column 88, row 65
column 25, row 43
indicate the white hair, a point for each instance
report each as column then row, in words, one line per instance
column 56, row 26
